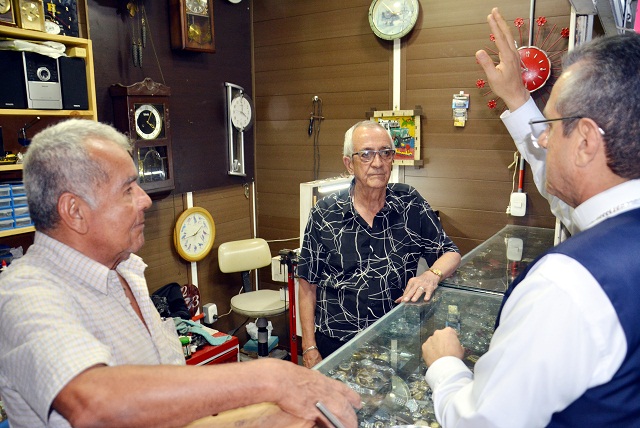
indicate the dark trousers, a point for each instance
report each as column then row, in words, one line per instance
column 327, row 345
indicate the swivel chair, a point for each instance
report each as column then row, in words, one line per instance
column 243, row 256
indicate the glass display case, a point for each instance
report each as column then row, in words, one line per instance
column 384, row 362
column 495, row 263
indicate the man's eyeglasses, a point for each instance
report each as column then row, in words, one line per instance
column 541, row 126
column 367, row 156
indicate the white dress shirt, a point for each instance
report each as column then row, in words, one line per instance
column 559, row 334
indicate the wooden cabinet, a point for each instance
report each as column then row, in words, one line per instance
column 13, row 119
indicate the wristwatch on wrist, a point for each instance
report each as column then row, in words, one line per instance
column 310, row 348
column 436, row 271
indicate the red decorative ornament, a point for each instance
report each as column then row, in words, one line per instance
column 541, row 61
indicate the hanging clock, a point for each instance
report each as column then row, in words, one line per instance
column 540, row 60
column 194, row 234
column 392, row 19
column 7, row 13
column 141, row 111
column 192, row 25
column 239, row 118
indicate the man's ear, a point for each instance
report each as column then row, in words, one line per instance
column 591, row 141
column 348, row 163
column 73, row 212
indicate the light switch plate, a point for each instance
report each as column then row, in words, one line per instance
column 518, row 204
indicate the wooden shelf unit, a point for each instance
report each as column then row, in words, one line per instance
column 10, row 118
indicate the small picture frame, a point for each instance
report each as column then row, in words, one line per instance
column 404, row 128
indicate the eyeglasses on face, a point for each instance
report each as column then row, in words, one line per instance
column 367, row 156
column 542, row 126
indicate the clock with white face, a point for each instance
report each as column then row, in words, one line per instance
column 241, row 112
column 392, row 19
column 194, row 234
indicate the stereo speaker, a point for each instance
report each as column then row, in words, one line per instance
column 73, row 73
column 12, row 90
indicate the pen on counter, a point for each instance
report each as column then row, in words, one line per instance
column 327, row 414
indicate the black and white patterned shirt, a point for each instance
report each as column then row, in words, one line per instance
column 360, row 270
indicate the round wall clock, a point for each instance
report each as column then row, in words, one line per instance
column 241, row 111
column 194, row 234
column 536, row 67
column 392, row 19
column 149, row 121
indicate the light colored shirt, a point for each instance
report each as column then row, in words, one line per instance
column 61, row 313
column 559, row 335
column 517, row 123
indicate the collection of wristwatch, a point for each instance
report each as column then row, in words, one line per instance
column 388, row 371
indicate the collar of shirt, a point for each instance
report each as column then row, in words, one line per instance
column 83, row 268
column 611, row 202
column 392, row 201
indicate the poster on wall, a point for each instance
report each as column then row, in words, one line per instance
column 404, row 128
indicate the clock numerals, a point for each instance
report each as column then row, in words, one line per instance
column 192, row 25
column 194, row 234
column 149, row 121
column 241, row 112
column 31, row 14
column 392, row 19
column 197, row 6
column 536, row 67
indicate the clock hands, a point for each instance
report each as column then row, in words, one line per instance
column 153, row 125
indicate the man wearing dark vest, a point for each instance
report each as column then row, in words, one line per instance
column 566, row 349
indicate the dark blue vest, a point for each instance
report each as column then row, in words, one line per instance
column 610, row 251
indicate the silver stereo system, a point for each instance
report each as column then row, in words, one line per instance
column 42, row 80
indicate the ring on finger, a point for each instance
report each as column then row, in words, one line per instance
column 421, row 288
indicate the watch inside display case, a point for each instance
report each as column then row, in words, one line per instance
column 384, row 362
column 494, row 264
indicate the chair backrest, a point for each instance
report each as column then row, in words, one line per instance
column 243, row 255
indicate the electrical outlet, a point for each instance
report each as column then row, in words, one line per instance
column 279, row 271
column 210, row 311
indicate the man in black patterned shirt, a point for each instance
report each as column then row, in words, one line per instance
column 362, row 245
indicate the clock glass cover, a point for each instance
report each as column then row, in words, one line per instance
column 197, row 6
column 241, row 112
column 149, row 121
column 392, row 19
column 194, row 234
column 536, row 67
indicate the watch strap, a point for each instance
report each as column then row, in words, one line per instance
column 436, row 271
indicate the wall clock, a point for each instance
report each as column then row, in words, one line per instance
column 192, row 25
column 194, row 234
column 31, row 14
column 142, row 112
column 61, row 17
column 541, row 59
column 392, row 19
column 7, row 15
column 239, row 119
